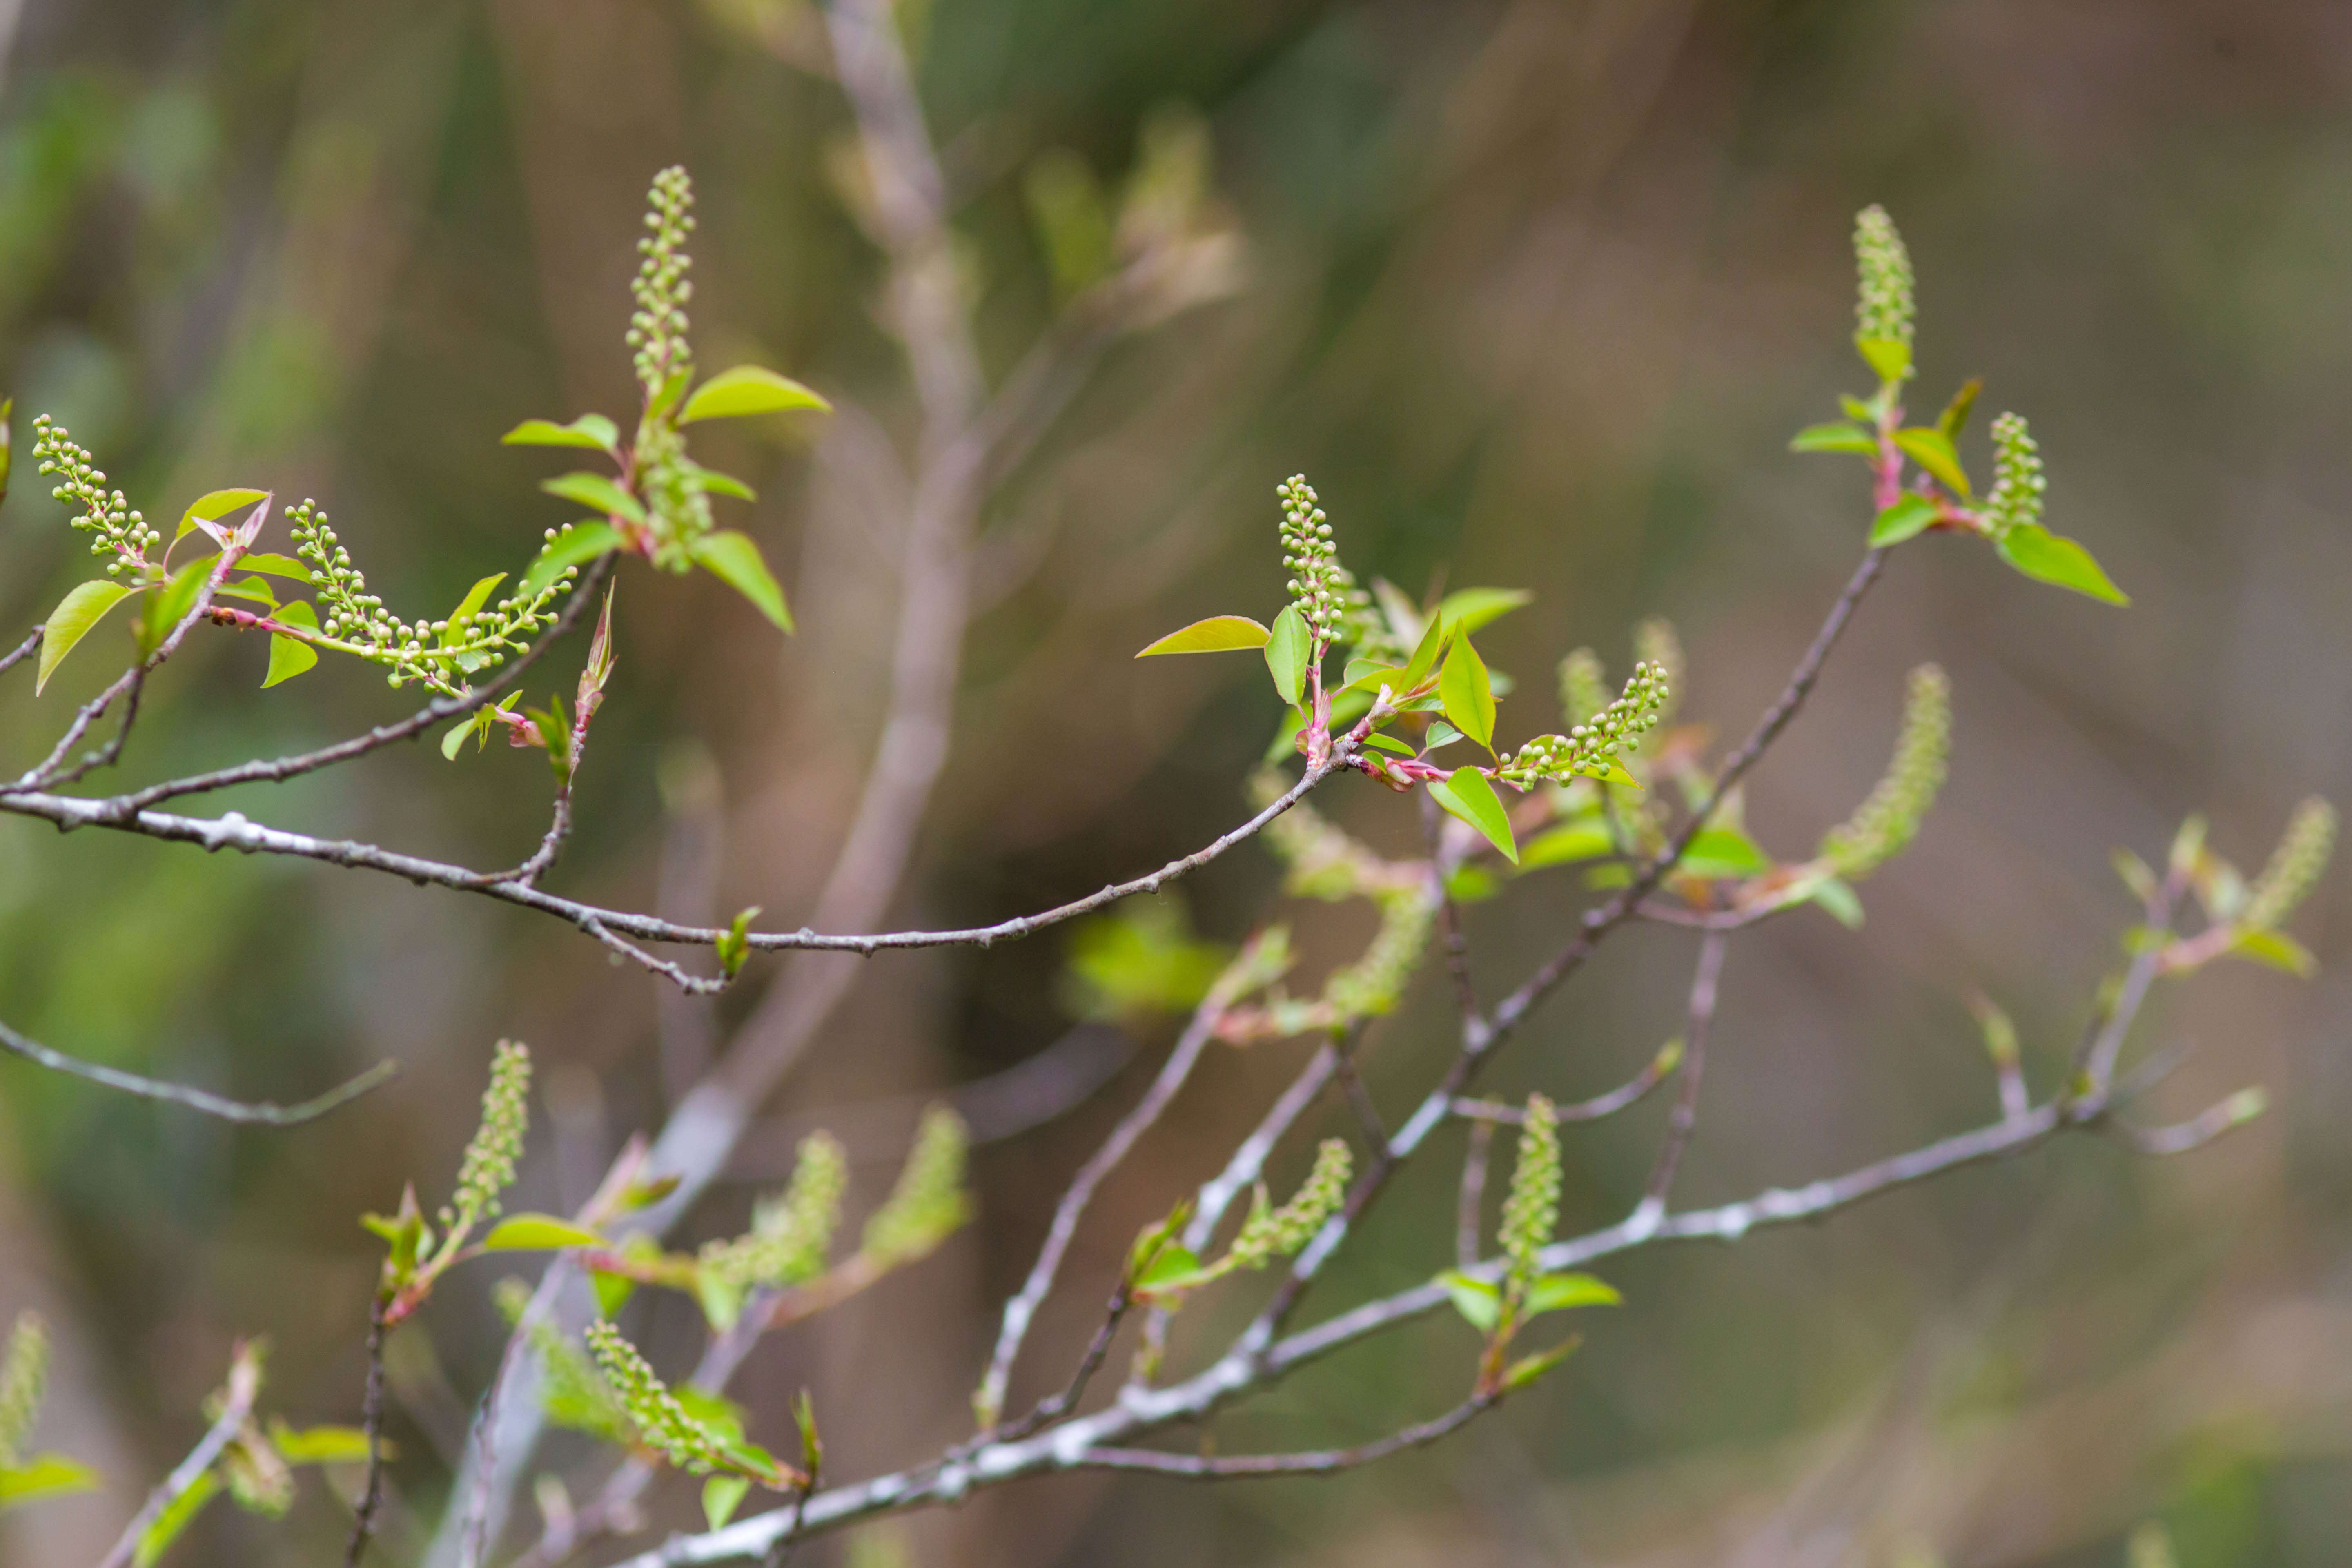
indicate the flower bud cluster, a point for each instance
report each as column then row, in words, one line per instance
column 2295, row 866
column 259, row 1479
column 661, row 1424
column 1320, row 586
column 420, row 649
column 1889, row 819
column 2017, row 482
column 23, row 1377
column 791, row 1233
column 488, row 1166
column 928, row 1203
column 1361, row 625
column 1531, row 1210
column 658, row 326
column 1590, row 748
column 671, row 484
column 107, row 514
column 1656, row 644
column 1374, row 983
column 1583, row 686
column 1884, row 308
column 1270, row 1232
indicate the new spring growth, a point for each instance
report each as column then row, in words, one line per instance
column 1889, row 818
column 488, row 1166
column 1593, row 748
column 1883, row 309
column 1270, row 1232
column 791, row 1233
column 1531, row 1210
column 106, row 515
column 1583, row 686
column 657, row 327
column 1320, row 587
column 928, row 1203
column 1657, row 644
column 2295, row 866
column 2018, row 482
column 659, row 1421
column 1374, row 983
column 23, row 1376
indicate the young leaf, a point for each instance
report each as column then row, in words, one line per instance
column 71, row 622
column 2052, row 558
column 576, row 545
column 734, row 560
column 748, row 389
column 44, row 1475
column 1955, row 416
column 538, row 1233
column 1528, row 1368
column 1479, row 1302
column 720, row 1497
column 1441, row 733
column 1467, row 693
column 1724, row 852
column 719, row 484
column 1932, row 450
column 1218, row 633
column 597, row 492
column 1558, row 1292
column 1467, row 609
column 274, row 565
column 252, row 590
column 1890, row 357
column 588, row 430
column 2277, row 949
column 288, row 657
column 476, row 597
column 734, row 944
column 1468, row 795
column 1566, row 844
column 1288, row 646
column 1170, row 1265
column 1900, row 522
column 177, row 1515
column 1391, row 744
column 318, row 1445
column 1835, row 436
column 165, row 608
column 208, row 509
column 1844, row 904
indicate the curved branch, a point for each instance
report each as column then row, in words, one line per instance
column 21, row 652
column 261, row 1112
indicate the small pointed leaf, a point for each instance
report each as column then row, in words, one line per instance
column 1932, row 450
column 1467, row 693
column 1468, row 795
column 575, row 546
column 588, row 430
column 1218, row 633
column 2052, row 558
column 748, row 389
column 71, row 622
column 1900, row 522
column 1835, row 436
column 1288, row 646
column 734, row 560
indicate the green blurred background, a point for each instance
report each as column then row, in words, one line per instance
column 1536, row 293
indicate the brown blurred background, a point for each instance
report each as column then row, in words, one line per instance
column 1536, row 293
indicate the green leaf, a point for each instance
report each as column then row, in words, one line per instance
column 1479, row 1302
column 2047, row 557
column 1566, row 844
column 588, row 430
column 212, row 507
column 665, row 397
column 476, row 597
column 1857, row 410
column 1844, row 904
column 1467, row 693
column 1902, row 521
column 318, row 1445
column 613, row 1291
column 1172, row 1263
column 597, row 492
column 1288, row 646
column 44, row 1475
column 1890, row 357
column 274, row 565
column 538, row 1233
column 288, row 657
column 1425, row 654
column 177, row 1515
column 734, row 944
column 169, row 605
column 71, row 622
column 1390, row 743
column 1441, row 733
column 721, row 1495
column 719, row 484
column 1724, row 852
column 1467, row 609
column 1218, row 633
column 254, row 590
column 734, row 560
column 1955, row 416
column 1472, row 884
column 2277, row 949
column 1528, row 1368
column 1468, row 795
column 2135, row 873
column 748, row 389
column 1558, row 1292
column 1835, row 436
column 1932, row 450
column 575, row 546
column 721, row 1299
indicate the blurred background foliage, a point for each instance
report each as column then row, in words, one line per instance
column 1537, row 290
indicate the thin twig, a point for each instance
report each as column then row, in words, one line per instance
column 1469, row 1206
column 1600, row 1107
column 371, row 1425
column 1316, row 1462
column 21, row 652
column 236, row 1409
column 1709, row 970
column 261, row 1112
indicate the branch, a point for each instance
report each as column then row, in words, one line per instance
column 21, row 652
column 1317, row 1462
column 236, row 1409
column 261, row 1112
column 372, row 1424
column 1685, row 1114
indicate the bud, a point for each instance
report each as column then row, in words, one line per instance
column 1887, row 821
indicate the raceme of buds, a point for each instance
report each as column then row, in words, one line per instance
column 1270, row 1232
column 928, row 1203
column 488, row 1166
column 1889, row 818
column 1592, row 748
column 791, row 1233
column 2295, row 866
column 23, row 1376
column 1374, row 983
column 657, row 328
column 1320, row 586
column 1657, row 644
column 1884, row 308
column 105, row 514
column 1531, row 1210
column 2018, row 483
column 259, row 1479
column 661, row 1423
column 1583, row 686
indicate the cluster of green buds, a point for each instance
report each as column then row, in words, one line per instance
column 1889, row 818
column 1885, row 309
column 2017, row 481
column 1531, row 1210
column 487, row 1168
column 478, row 635
column 791, row 1233
column 106, row 515
column 1583, row 686
column 1592, row 749
column 1270, row 1232
column 1657, row 645
column 658, row 326
column 1321, row 589
column 1373, row 985
column 259, row 1479
column 656, row 1418
column 928, row 1203
column 24, row 1374
column 2293, row 866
